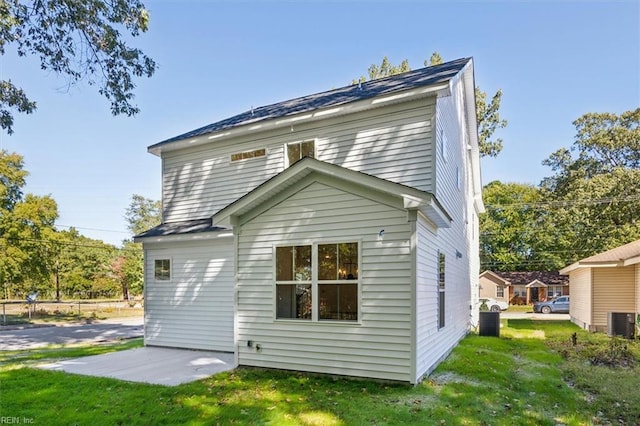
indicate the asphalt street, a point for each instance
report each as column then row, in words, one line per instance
column 15, row 338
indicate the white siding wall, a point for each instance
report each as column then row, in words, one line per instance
column 613, row 291
column 393, row 143
column 461, row 273
column 195, row 308
column 379, row 346
column 581, row 297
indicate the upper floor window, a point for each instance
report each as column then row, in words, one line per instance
column 328, row 271
column 298, row 150
column 248, row 154
column 162, row 269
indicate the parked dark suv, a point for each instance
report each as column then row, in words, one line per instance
column 559, row 305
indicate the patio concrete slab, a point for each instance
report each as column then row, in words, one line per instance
column 161, row 366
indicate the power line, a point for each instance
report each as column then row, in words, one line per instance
column 41, row 241
column 92, row 229
column 565, row 203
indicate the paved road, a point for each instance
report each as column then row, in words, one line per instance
column 99, row 331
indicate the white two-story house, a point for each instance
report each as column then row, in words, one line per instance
column 333, row 233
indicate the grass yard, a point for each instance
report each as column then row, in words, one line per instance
column 532, row 375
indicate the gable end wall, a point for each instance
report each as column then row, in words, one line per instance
column 378, row 346
column 391, row 142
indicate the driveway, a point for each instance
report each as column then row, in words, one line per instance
column 18, row 338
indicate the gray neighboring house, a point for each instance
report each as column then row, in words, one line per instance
column 333, row 233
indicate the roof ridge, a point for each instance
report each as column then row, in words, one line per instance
column 424, row 76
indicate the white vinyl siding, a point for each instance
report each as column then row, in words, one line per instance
column 376, row 346
column 613, row 291
column 581, row 297
column 195, row 308
column 393, row 143
column 433, row 344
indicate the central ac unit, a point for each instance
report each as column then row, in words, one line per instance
column 621, row 324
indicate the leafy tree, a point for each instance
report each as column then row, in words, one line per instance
column 80, row 40
column 595, row 188
column 487, row 112
column 142, row 214
column 85, row 266
column 514, row 231
column 25, row 222
column 128, row 269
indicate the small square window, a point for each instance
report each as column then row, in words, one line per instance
column 162, row 269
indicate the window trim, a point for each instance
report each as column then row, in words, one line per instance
column 315, row 282
column 299, row 142
column 155, row 277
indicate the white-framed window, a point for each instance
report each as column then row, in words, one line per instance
column 162, row 269
column 296, row 151
column 441, row 288
column 500, row 291
column 318, row 282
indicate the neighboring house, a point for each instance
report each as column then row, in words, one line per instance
column 604, row 283
column 523, row 287
column 333, row 233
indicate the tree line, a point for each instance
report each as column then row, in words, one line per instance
column 62, row 264
column 589, row 203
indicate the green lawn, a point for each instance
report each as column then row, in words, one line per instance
column 531, row 375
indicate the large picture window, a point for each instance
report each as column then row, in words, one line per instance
column 328, row 270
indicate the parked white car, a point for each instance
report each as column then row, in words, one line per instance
column 493, row 304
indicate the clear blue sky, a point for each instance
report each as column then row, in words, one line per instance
column 554, row 61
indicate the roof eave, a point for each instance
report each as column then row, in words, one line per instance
column 582, row 264
column 200, row 236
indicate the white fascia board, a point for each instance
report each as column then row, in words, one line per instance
column 303, row 117
column 632, row 261
column 579, row 265
column 468, row 79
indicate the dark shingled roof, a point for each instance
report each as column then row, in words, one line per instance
column 180, row 228
column 344, row 95
column 523, row 278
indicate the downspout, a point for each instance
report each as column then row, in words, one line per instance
column 236, row 251
column 413, row 345
column 144, row 294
